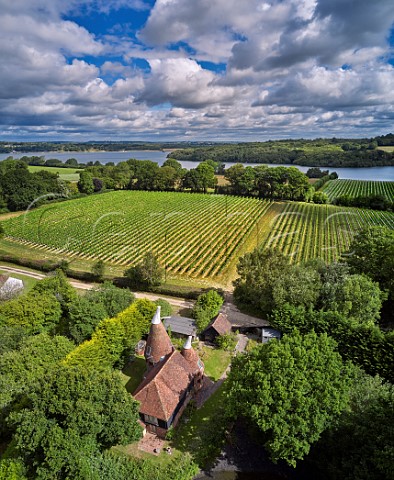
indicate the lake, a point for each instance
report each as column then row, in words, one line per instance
column 366, row 173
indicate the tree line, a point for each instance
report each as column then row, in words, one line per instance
column 20, row 188
column 320, row 152
column 10, row 147
column 324, row 392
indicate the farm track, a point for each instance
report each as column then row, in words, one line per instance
column 236, row 317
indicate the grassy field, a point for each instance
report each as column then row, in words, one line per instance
column 386, row 149
column 193, row 235
column 215, row 361
column 354, row 188
column 70, row 174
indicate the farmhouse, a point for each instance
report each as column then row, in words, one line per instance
column 219, row 326
column 171, row 380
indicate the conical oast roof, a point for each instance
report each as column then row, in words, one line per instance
column 158, row 344
column 190, row 354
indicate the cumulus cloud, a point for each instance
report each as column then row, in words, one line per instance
column 333, row 89
column 219, row 69
column 183, row 83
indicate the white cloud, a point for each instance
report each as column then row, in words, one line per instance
column 307, row 67
column 183, row 83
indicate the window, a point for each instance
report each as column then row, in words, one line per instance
column 152, row 420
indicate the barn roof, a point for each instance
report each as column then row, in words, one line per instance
column 182, row 325
column 220, row 324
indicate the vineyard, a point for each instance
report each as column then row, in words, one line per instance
column 355, row 188
column 304, row 231
column 193, row 235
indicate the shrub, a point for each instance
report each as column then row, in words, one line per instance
column 166, row 309
column 228, row 341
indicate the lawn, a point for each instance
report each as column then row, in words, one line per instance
column 202, row 432
column 133, row 373
column 215, row 361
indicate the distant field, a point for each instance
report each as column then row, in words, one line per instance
column 304, row 231
column 192, row 234
column 70, row 174
column 195, row 236
column 386, row 149
column 354, row 188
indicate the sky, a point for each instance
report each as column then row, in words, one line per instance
column 195, row 70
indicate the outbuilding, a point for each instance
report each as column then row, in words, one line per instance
column 269, row 333
column 181, row 326
column 219, row 326
column 9, row 287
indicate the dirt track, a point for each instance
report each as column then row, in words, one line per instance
column 234, row 315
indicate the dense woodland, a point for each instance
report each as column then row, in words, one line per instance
column 334, row 152
column 320, row 152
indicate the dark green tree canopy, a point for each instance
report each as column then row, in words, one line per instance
column 372, row 253
column 206, row 308
column 291, row 389
column 258, row 275
column 72, row 414
column 361, row 443
column 147, row 274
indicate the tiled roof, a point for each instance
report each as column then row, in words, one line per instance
column 158, row 344
column 161, row 390
column 221, row 324
column 192, row 357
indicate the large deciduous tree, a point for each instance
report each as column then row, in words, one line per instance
column 206, row 308
column 360, row 298
column 147, row 274
column 258, row 273
column 85, row 183
column 361, row 444
column 291, row 389
column 372, row 253
column 73, row 414
column 298, row 285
